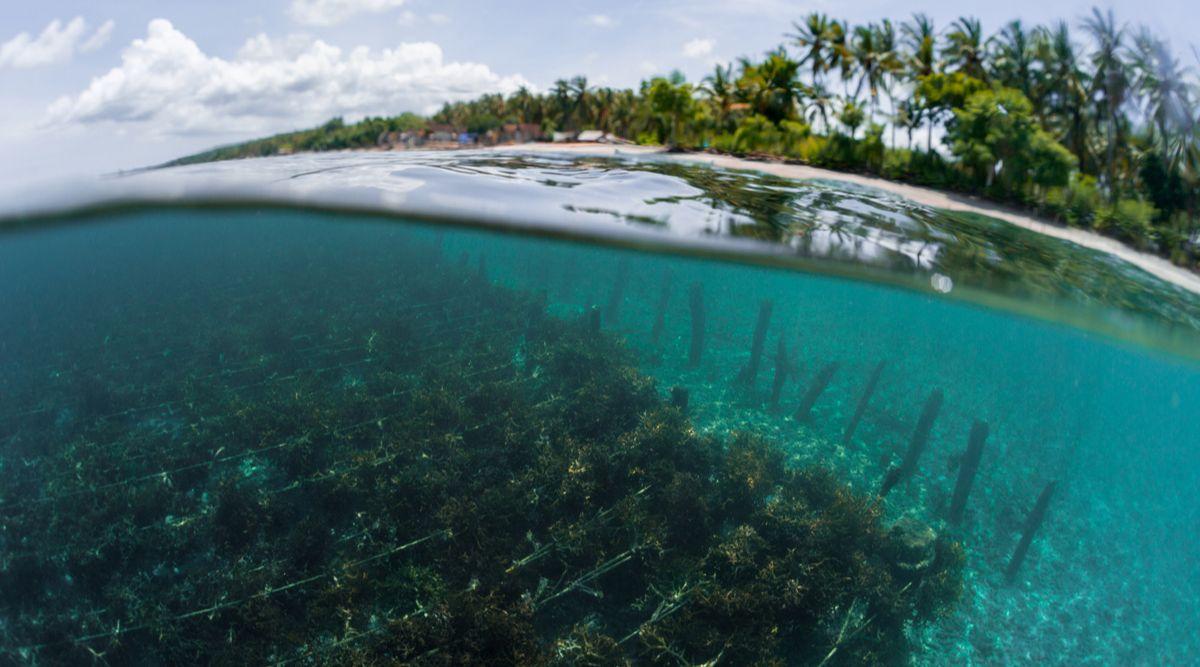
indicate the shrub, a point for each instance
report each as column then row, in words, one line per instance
column 1130, row 220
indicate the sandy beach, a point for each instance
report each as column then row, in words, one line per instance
column 1152, row 264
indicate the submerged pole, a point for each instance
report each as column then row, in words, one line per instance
column 750, row 373
column 593, row 318
column 783, row 368
column 863, row 401
column 696, row 304
column 967, row 470
column 917, row 445
column 679, row 398
column 617, row 296
column 819, row 383
column 1032, row 523
column 660, row 313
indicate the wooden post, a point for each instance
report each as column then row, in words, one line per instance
column 750, row 373
column 696, row 303
column 917, row 445
column 819, row 383
column 783, row 368
column 967, row 469
column 593, row 317
column 660, row 313
column 613, row 311
column 679, row 398
column 1032, row 523
column 863, row 401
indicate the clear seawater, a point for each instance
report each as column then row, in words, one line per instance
column 365, row 409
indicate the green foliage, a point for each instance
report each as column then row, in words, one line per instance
column 1076, row 204
column 998, row 139
column 1130, row 220
column 671, row 101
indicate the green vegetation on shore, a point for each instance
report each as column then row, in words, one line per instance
column 1097, row 131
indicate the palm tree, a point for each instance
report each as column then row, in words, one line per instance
column 721, row 92
column 1066, row 93
column 874, row 50
column 1110, row 81
column 815, row 37
column 1162, row 82
column 559, row 103
column 771, row 87
column 965, row 47
column 820, row 103
column 581, row 101
column 920, row 38
column 1012, row 58
column 525, row 105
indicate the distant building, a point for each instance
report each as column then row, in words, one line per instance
column 562, row 137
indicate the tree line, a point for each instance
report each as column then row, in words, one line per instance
column 1093, row 123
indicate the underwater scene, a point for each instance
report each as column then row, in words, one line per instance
column 692, row 416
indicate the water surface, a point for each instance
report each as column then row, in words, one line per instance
column 284, row 435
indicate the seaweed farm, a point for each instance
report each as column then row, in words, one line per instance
column 266, row 435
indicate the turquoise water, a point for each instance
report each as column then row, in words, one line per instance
column 249, row 434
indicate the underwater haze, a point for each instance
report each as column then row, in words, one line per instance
column 506, row 409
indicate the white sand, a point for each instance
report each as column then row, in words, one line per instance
column 1151, row 264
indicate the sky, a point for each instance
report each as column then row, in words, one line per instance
column 89, row 87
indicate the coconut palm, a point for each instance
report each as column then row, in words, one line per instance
column 816, row 36
column 965, row 49
column 920, row 60
column 525, row 106
column 771, row 87
column 920, row 38
column 721, row 91
column 874, row 49
column 1110, row 83
column 1012, row 62
column 1066, row 91
column 820, row 104
column 1162, row 83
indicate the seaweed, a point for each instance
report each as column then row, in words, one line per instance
column 468, row 481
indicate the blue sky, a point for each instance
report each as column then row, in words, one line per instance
column 89, row 87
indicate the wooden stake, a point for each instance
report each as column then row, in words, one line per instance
column 967, row 469
column 1032, row 523
column 819, row 383
column 917, row 445
column 863, row 401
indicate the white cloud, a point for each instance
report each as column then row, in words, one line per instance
column 601, row 21
column 409, row 18
column 167, row 85
column 332, row 12
column 57, row 43
column 698, row 48
column 98, row 38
